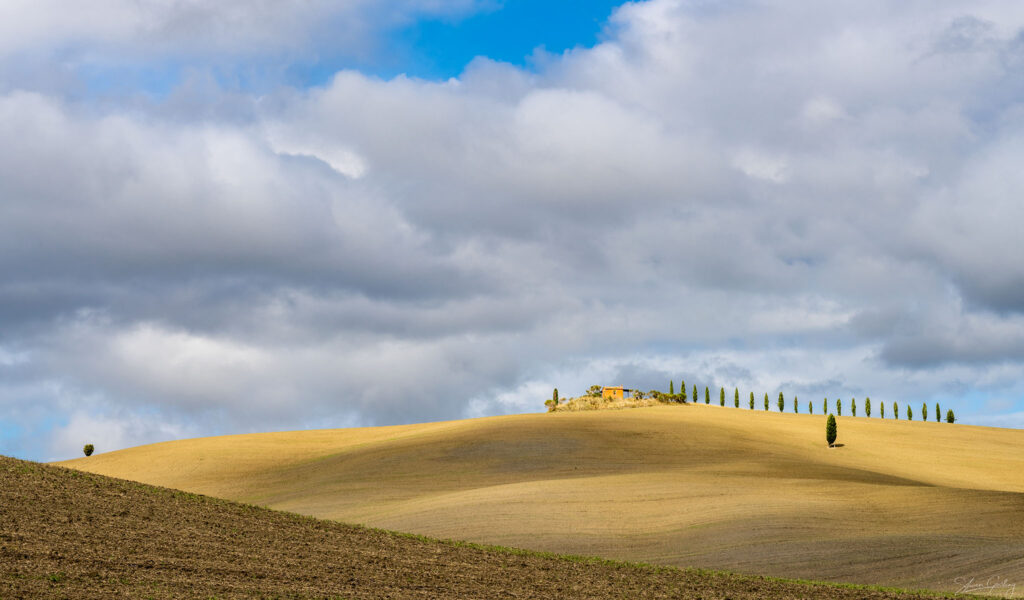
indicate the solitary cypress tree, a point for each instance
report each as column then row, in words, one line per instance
column 839, row 406
column 950, row 418
column 867, row 406
column 830, row 430
column 751, row 400
column 796, row 404
column 910, row 413
column 938, row 413
column 881, row 407
column 721, row 397
column 766, row 400
column 707, row 395
column 924, row 411
column 853, row 406
column 782, row 402
column 671, row 388
column 736, row 397
column 895, row 410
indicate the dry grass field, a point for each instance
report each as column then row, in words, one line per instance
column 910, row 504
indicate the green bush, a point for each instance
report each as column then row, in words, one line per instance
column 830, row 431
column 594, row 391
column 88, row 449
column 950, row 418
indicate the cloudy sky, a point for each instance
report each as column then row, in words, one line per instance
column 233, row 216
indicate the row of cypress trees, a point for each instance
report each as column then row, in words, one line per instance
column 781, row 403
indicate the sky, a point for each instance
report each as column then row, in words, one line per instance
column 231, row 217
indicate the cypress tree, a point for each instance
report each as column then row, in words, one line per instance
column 853, row 406
column 938, row 413
column 671, row 388
column 830, row 430
column 924, row 411
column 707, row 395
column 895, row 410
column 881, row 407
column 782, row 402
column 682, row 390
column 796, row 404
column 825, row 410
column 867, row 406
column 751, row 400
column 554, row 397
column 839, row 406
column 736, row 397
column 766, row 400
column 910, row 413
column 810, row 407
column 950, row 418
column 721, row 397
column 695, row 396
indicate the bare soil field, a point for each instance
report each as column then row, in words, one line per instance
column 907, row 504
column 69, row 534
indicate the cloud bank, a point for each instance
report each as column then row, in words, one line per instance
column 763, row 195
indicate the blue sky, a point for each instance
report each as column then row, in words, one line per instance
column 216, row 219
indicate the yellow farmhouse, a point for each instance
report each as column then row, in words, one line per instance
column 613, row 392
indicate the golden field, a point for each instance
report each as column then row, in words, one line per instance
column 910, row 504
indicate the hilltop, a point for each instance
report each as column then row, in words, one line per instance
column 65, row 533
column 902, row 503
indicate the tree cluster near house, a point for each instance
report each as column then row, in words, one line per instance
column 596, row 392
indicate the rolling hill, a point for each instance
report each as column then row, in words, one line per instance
column 913, row 504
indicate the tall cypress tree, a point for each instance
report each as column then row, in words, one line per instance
column 824, row 411
column 781, row 403
column 736, row 397
column 924, row 411
column 671, row 388
column 796, row 404
column 830, row 430
column 695, row 396
column 554, row 397
column 810, row 407
column 707, row 395
column 682, row 390
column 895, row 410
column 853, row 406
column 910, row 413
column 938, row 413
column 839, row 406
column 766, row 400
column 721, row 397
column 867, row 406
column 751, row 400
column 881, row 407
